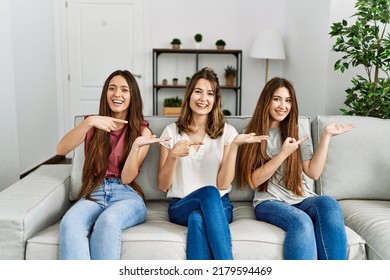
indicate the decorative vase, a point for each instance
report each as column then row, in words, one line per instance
column 230, row 80
column 175, row 46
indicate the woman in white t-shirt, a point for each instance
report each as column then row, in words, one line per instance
column 197, row 167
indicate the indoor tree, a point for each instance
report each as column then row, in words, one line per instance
column 366, row 43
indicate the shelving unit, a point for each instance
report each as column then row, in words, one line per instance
column 197, row 53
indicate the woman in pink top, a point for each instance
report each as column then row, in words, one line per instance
column 116, row 143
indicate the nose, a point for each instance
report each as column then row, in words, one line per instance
column 118, row 92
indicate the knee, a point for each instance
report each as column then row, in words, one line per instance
column 195, row 220
column 211, row 192
column 303, row 225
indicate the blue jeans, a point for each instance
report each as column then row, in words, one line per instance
column 92, row 229
column 207, row 216
column 314, row 228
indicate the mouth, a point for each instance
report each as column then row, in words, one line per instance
column 117, row 101
column 202, row 105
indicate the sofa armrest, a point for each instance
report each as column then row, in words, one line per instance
column 30, row 205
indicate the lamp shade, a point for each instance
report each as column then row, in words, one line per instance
column 268, row 44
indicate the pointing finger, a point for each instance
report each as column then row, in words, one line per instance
column 119, row 120
column 196, row 143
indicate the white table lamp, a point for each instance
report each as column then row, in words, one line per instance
column 268, row 44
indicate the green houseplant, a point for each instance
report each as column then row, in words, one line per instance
column 176, row 43
column 220, row 44
column 366, row 44
column 230, row 75
column 172, row 106
column 198, row 39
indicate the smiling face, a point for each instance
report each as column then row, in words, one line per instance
column 202, row 98
column 280, row 106
column 118, row 97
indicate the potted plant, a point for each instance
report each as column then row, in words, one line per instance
column 198, row 39
column 175, row 81
column 175, row 43
column 226, row 112
column 230, row 75
column 172, row 106
column 365, row 43
column 220, row 44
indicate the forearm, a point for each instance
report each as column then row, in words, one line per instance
column 317, row 163
column 165, row 174
column 227, row 168
column 131, row 167
column 73, row 138
column 266, row 171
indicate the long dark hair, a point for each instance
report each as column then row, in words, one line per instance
column 99, row 148
column 255, row 155
column 216, row 119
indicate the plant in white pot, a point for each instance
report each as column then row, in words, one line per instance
column 198, row 39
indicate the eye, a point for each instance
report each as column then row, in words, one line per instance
column 289, row 100
column 211, row 93
column 111, row 88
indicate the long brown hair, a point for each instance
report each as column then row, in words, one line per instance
column 216, row 119
column 99, row 148
column 255, row 155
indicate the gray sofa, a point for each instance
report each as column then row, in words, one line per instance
column 357, row 174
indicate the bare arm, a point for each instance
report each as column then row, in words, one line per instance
column 137, row 155
column 313, row 168
column 227, row 169
column 77, row 135
column 264, row 172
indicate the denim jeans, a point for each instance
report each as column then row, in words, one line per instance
column 207, row 216
column 92, row 229
column 314, row 228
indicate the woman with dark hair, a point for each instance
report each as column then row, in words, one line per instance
column 313, row 223
column 116, row 142
column 197, row 167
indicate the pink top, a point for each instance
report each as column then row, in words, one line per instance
column 115, row 164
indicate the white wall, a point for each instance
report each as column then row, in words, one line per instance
column 31, row 61
column 9, row 162
column 35, row 80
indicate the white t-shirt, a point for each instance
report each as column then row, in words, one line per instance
column 200, row 168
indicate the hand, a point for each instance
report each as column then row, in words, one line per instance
column 148, row 140
column 335, row 129
column 106, row 123
column 182, row 147
column 290, row 145
column 249, row 138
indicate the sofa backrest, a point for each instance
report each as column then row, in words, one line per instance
column 358, row 162
column 147, row 178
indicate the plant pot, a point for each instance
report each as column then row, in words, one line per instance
column 220, row 47
column 175, row 46
column 172, row 111
column 230, row 81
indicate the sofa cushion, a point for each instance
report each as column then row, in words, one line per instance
column 371, row 219
column 358, row 162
